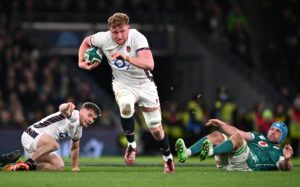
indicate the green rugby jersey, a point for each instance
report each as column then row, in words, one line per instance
column 263, row 155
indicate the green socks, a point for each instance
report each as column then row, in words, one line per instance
column 196, row 147
column 225, row 147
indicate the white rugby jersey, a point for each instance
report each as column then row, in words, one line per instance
column 122, row 70
column 59, row 127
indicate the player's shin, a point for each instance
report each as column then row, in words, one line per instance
column 225, row 147
column 164, row 147
column 196, row 147
column 131, row 150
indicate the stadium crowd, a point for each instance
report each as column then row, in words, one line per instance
column 225, row 22
column 187, row 119
column 33, row 83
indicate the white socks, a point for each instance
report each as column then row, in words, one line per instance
column 133, row 144
column 188, row 152
column 166, row 158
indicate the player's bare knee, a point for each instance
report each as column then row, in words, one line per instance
column 55, row 145
column 126, row 104
column 60, row 166
column 157, row 133
column 126, row 109
column 237, row 140
column 216, row 137
column 57, row 162
column 214, row 134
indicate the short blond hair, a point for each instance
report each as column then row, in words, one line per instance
column 118, row 19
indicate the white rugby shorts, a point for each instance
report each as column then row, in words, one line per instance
column 146, row 96
column 238, row 160
column 29, row 143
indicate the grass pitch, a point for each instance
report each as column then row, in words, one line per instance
column 111, row 171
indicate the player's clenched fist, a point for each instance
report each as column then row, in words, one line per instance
column 88, row 65
column 288, row 151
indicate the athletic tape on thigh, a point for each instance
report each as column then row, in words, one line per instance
column 152, row 119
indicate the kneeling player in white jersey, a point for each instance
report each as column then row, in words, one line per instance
column 243, row 151
column 40, row 140
column 131, row 60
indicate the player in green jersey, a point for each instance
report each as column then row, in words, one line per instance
column 237, row 150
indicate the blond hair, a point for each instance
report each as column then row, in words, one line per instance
column 118, row 19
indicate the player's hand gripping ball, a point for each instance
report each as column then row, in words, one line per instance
column 92, row 55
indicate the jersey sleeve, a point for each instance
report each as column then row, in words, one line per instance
column 281, row 158
column 74, row 116
column 76, row 133
column 253, row 135
column 75, row 128
column 140, row 41
column 97, row 39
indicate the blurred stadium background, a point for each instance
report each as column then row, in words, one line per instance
column 235, row 60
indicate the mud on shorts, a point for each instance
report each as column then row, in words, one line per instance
column 145, row 95
column 237, row 161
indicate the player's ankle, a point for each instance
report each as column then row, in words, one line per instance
column 166, row 158
column 31, row 163
column 188, row 152
column 132, row 144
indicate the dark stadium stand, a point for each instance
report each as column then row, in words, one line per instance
column 38, row 65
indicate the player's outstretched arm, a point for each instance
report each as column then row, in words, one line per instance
column 66, row 109
column 75, row 155
column 86, row 43
column 229, row 130
column 286, row 164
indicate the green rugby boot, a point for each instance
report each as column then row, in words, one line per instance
column 205, row 149
column 181, row 150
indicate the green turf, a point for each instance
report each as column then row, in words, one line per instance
column 111, row 171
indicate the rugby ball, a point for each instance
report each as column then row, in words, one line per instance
column 92, row 55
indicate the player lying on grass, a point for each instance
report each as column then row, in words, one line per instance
column 40, row 140
column 9, row 158
column 243, row 151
